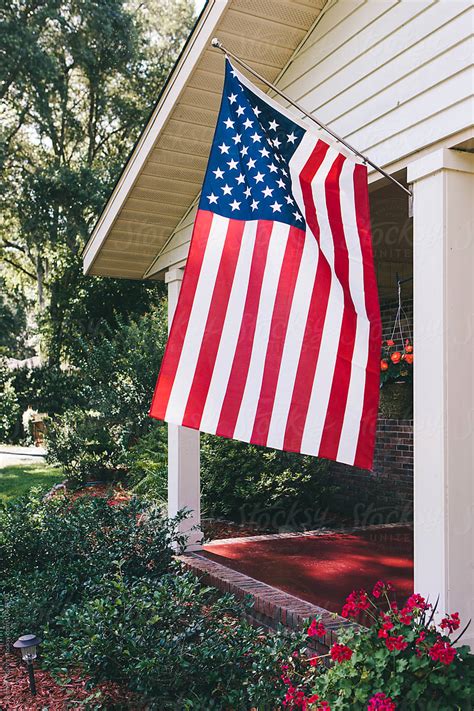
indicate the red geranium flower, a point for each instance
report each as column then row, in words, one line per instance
column 356, row 602
column 442, row 652
column 421, row 637
column 340, row 653
column 416, row 601
column 398, row 643
column 451, row 622
column 381, row 702
column 316, row 629
column 380, row 587
column 387, row 625
column 390, row 343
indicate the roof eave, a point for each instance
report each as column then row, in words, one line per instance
column 186, row 63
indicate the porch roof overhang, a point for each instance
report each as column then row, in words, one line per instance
column 162, row 178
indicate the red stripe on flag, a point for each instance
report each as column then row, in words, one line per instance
column 278, row 333
column 179, row 326
column 240, row 364
column 342, row 371
column 316, row 314
column 214, row 325
column 366, row 441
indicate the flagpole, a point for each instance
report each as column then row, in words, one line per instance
column 218, row 44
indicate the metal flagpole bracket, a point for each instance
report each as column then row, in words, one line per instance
column 215, row 42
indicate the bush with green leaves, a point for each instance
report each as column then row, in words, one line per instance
column 56, row 553
column 118, row 376
column 87, row 445
column 98, row 583
column 9, row 406
column 147, row 464
column 177, row 643
column 265, row 487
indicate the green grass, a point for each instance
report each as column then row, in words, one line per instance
column 20, row 478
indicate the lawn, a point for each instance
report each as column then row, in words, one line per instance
column 18, row 479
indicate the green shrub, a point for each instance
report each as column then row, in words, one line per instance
column 54, row 554
column 118, row 377
column 265, row 487
column 175, row 642
column 9, row 406
column 147, row 464
column 87, row 445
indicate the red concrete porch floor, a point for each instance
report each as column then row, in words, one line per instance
column 323, row 568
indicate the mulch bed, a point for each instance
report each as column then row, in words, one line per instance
column 71, row 693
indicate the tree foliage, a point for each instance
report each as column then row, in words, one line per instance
column 77, row 81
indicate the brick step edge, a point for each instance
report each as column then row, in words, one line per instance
column 271, row 607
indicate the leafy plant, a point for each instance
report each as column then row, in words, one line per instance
column 177, row 643
column 147, row 464
column 266, row 487
column 396, row 365
column 117, row 379
column 401, row 660
column 56, row 553
column 9, row 407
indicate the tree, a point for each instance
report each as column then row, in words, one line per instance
column 78, row 79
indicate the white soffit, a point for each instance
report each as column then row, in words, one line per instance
column 164, row 174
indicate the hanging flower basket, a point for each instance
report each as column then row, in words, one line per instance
column 396, row 371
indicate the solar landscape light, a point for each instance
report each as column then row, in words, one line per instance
column 27, row 644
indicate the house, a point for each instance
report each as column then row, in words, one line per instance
column 395, row 78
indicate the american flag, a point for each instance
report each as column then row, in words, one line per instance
column 276, row 335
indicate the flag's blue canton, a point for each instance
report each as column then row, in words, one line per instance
column 247, row 176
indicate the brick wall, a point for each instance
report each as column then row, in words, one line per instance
column 386, row 494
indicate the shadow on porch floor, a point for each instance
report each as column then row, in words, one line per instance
column 323, row 568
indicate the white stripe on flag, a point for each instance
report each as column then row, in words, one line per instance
column 248, row 407
column 230, row 331
column 299, row 308
column 197, row 321
column 355, row 398
column 323, row 377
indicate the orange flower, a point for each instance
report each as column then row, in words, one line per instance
column 390, row 342
column 409, row 349
column 383, row 365
column 409, row 358
column 396, row 357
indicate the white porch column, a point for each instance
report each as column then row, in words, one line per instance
column 443, row 185
column 183, row 449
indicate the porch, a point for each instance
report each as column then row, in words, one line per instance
column 396, row 81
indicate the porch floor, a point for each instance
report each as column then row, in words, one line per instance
column 323, row 568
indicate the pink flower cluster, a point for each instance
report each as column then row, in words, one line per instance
column 296, row 699
column 380, row 702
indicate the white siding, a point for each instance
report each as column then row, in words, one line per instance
column 176, row 249
column 391, row 76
